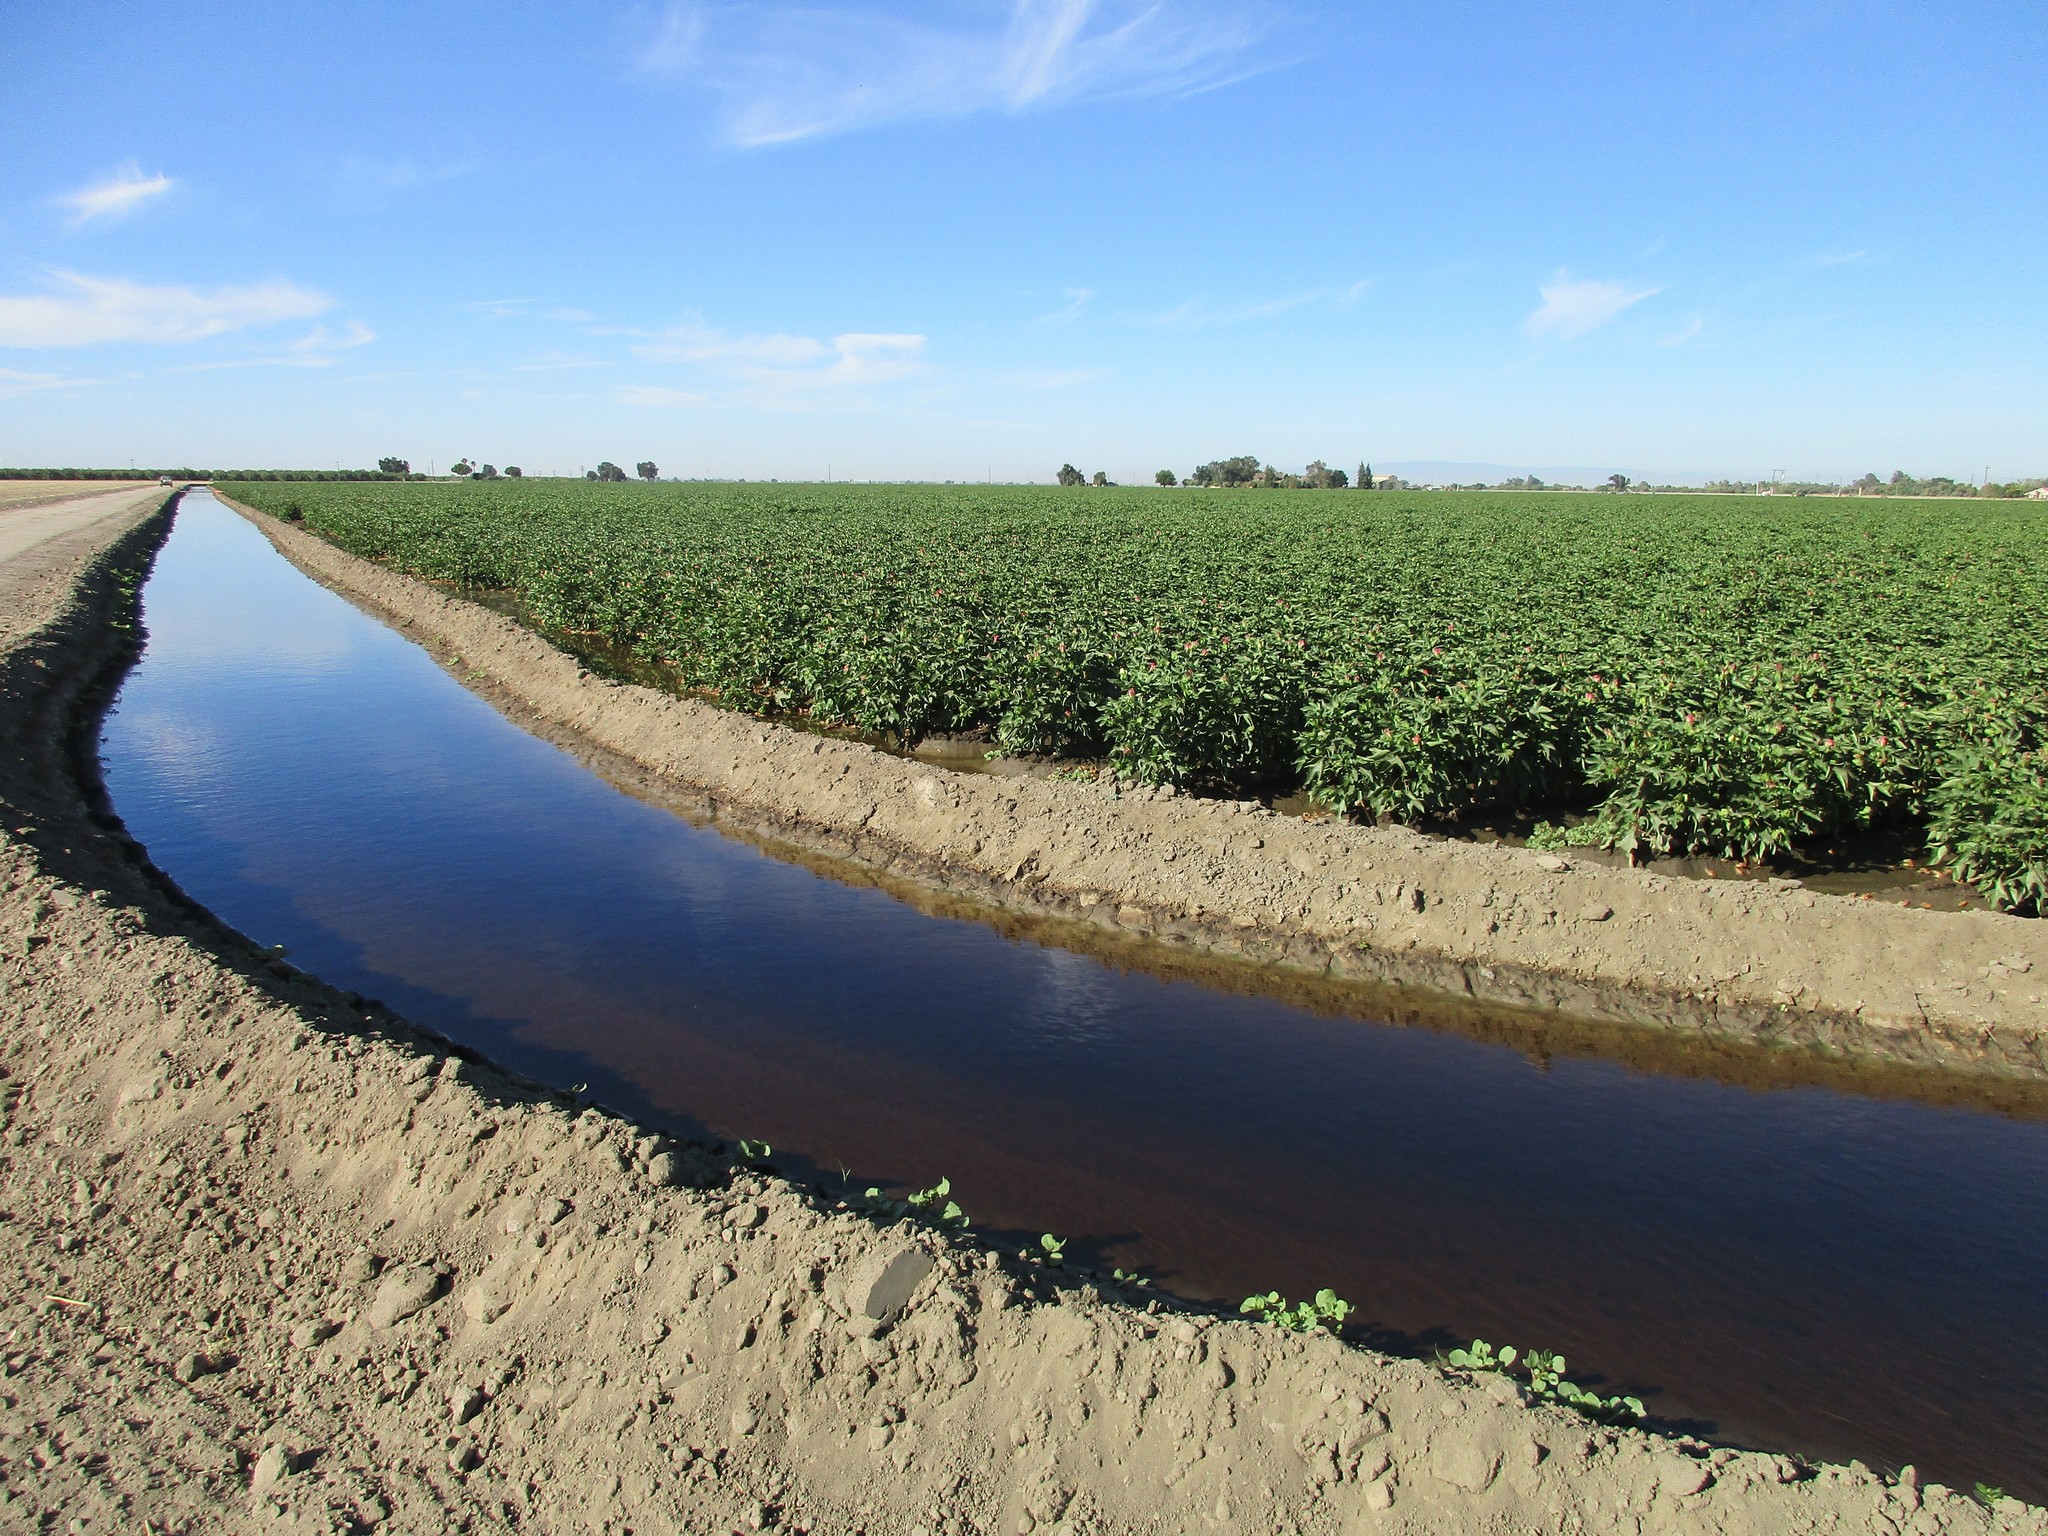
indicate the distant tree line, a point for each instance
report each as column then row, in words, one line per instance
column 1900, row 484
column 1247, row 472
column 187, row 472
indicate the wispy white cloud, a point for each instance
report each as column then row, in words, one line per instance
column 276, row 360
column 1069, row 312
column 315, row 349
column 116, row 196
column 86, row 311
column 692, row 342
column 1195, row 315
column 14, row 382
column 1052, row 379
column 396, row 175
column 1354, row 293
column 1574, row 306
column 786, row 72
column 555, row 363
column 499, row 309
column 659, row 397
column 320, row 339
column 787, row 364
column 1685, row 333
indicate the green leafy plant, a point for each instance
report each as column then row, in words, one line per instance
column 1542, row 1373
column 1129, row 1277
column 934, row 1206
column 1325, row 1310
column 752, row 1151
column 1053, row 1250
column 1986, row 1494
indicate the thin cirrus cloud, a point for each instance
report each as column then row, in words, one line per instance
column 787, row 364
column 1077, row 301
column 315, row 349
column 115, row 197
column 1576, row 306
column 90, row 311
column 787, row 73
column 15, row 382
column 659, row 397
column 1195, row 315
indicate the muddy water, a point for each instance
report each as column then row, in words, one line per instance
column 1796, row 1265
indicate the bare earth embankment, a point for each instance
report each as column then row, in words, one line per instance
column 279, row 1264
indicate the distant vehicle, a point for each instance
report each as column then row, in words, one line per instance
column 163, row 479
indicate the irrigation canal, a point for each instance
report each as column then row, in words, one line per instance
column 1806, row 1268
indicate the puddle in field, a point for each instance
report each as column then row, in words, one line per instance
column 1753, row 1243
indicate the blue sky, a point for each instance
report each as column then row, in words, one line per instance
column 976, row 237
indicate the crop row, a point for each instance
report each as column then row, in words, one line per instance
column 1724, row 675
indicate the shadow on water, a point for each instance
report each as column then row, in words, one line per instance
column 1835, row 1260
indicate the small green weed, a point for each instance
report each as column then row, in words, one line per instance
column 1326, row 1310
column 1052, row 1249
column 752, row 1151
column 1129, row 1277
column 1543, row 1372
column 934, row 1206
column 1987, row 1495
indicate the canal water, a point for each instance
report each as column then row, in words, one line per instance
column 1803, row 1266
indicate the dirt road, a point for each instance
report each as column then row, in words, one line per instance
column 59, row 514
column 278, row 1262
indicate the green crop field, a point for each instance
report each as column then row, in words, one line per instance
column 1739, row 676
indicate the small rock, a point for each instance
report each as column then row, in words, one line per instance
column 888, row 1293
column 1682, row 1477
column 193, row 1366
column 749, row 1216
column 406, row 1290
column 1463, row 1463
column 275, row 1465
column 313, row 1333
column 745, row 1421
column 553, row 1212
column 465, row 1403
column 1380, row 1494
column 1595, row 912
column 664, row 1170
column 360, row 1267
column 1552, row 864
column 464, row 1458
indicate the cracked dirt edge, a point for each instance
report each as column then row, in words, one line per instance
column 1741, row 961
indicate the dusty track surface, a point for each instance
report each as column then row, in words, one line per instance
column 34, row 512
column 281, row 1264
column 1745, row 961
